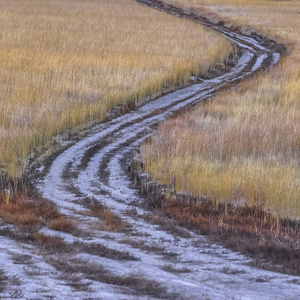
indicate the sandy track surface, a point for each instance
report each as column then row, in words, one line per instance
column 149, row 257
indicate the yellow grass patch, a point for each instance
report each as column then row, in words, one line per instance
column 245, row 144
column 66, row 62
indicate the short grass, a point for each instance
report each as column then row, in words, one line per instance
column 64, row 63
column 244, row 146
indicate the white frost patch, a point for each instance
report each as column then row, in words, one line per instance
column 19, row 282
column 259, row 61
column 276, row 58
column 211, row 270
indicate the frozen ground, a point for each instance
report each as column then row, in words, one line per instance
column 151, row 257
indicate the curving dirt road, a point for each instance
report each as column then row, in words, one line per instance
column 147, row 257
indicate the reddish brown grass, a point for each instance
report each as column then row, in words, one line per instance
column 112, row 222
column 250, row 230
column 62, row 224
column 50, row 242
column 24, row 211
column 31, row 213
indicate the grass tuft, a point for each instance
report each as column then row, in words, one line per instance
column 62, row 224
column 112, row 222
column 22, row 210
column 31, row 213
column 51, row 243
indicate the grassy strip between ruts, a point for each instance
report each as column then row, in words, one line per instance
column 30, row 213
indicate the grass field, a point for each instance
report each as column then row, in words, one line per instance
column 64, row 63
column 244, row 146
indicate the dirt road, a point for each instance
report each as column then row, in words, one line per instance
column 147, row 257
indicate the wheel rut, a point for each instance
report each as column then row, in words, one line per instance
column 147, row 257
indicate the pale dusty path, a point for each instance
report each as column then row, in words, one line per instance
column 185, row 265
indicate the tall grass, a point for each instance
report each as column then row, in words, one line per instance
column 66, row 62
column 244, row 146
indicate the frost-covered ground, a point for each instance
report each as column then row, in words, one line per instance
column 150, row 257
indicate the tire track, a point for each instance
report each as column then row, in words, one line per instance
column 165, row 261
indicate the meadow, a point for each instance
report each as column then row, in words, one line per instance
column 243, row 146
column 64, row 63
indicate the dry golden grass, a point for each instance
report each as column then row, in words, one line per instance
column 244, row 145
column 66, row 62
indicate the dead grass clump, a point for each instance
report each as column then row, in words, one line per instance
column 31, row 213
column 171, row 269
column 102, row 251
column 24, row 211
column 151, row 248
column 228, row 270
column 21, row 219
column 76, row 283
column 140, row 285
column 112, row 222
column 62, row 224
column 21, row 259
column 143, row 286
column 250, row 230
column 140, row 244
column 166, row 224
column 52, row 243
